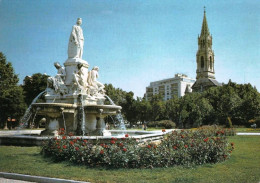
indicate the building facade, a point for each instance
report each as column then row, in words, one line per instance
column 168, row 88
column 205, row 73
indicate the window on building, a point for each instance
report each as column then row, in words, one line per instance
column 210, row 62
column 202, row 62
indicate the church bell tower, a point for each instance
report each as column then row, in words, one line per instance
column 205, row 60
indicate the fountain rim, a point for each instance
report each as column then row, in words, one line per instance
column 75, row 106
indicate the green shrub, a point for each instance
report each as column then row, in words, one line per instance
column 215, row 130
column 167, row 124
column 185, row 147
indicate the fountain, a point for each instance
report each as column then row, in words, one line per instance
column 75, row 100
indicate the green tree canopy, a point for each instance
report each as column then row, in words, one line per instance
column 33, row 85
column 11, row 95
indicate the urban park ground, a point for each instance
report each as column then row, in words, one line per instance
column 243, row 166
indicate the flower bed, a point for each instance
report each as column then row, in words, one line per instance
column 178, row 148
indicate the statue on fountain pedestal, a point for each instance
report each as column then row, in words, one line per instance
column 57, row 83
column 76, row 41
column 95, row 86
column 80, row 85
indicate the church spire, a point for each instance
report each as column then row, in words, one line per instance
column 204, row 29
column 205, row 60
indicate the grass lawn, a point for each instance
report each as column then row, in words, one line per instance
column 243, row 166
column 248, row 130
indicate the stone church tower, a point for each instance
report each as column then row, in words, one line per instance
column 205, row 60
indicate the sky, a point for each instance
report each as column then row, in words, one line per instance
column 133, row 42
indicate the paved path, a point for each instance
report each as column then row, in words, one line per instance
column 248, row 133
column 3, row 180
column 21, row 178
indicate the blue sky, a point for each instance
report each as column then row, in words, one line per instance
column 133, row 42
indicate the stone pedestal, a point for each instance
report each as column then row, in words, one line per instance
column 71, row 67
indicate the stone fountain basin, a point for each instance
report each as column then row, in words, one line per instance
column 54, row 109
column 33, row 138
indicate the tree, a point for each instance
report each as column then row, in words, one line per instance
column 143, row 109
column 33, row 85
column 158, row 108
column 129, row 108
column 117, row 95
column 11, row 95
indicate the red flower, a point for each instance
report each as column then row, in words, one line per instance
column 225, row 156
column 232, row 143
column 121, row 144
column 206, row 139
column 64, row 147
column 182, row 136
column 149, row 146
column 64, row 137
column 58, row 147
column 113, row 142
column 71, row 143
column 163, row 130
column 175, row 147
column 126, row 135
column 78, row 138
column 76, row 148
column 186, row 146
column 85, row 141
column 62, row 129
column 101, row 152
column 70, row 134
column 154, row 146
column 124, row 149
column 74, row 140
